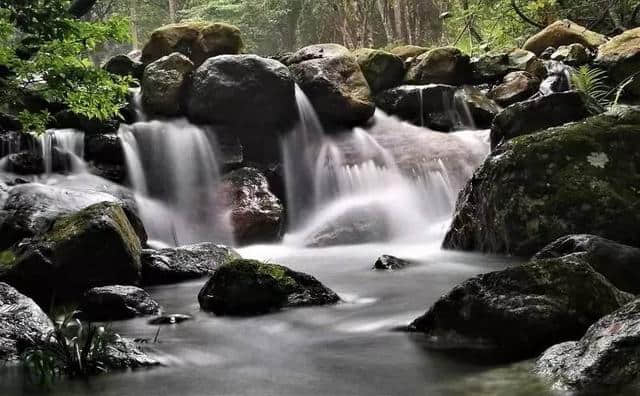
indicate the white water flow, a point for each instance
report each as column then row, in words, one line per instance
column 173, row 168
column 66, row 142
column 393, row 182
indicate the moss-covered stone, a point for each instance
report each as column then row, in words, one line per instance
column 381, row 69
column 621, row 57
column 247, row 287
column 563, row 32
column 197, row 40
column 578, row 178
column 406, row 52
column 163, row 84
column 446, row 65
column 518, row 312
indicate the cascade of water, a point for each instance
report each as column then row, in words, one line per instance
column 173, row 169
column 68, row 142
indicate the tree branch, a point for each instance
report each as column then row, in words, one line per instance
column 524, row 17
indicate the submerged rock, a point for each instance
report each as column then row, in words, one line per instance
column 446, row 65
column 621, row 58
column 163, row 84
column 605, row 358
column 256, row 213
column 332, row 80
column 116, row 303
column 124, row 354
column 20, row 319
column 516, row 87
column 172, row 265
column 423, row 105
column 382, row 69
column 244, row 91
column 480, row 108
column 356, row 226
column 537, row 114
column 248, row 287
column 620, row 264
column 197, row 40
column 94, row 247
column 578, row 178
column 518, row 312
column 390, row 263
column 563, row 32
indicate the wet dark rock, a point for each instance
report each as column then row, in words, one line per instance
column 435, row 101
column 446, row 65
column 546, row 54
column 257, row 215
column 125, row 354
column 116, row 303
column 24, row 163
column 481, row 109
column 519, row 312
column 104, row 149
column 123, row 65
column 248, row 287
column 390, row 263
column 20, row 318
column 9, row 122
column 111, row 172
column 66, row 119
column 242, row 90
column 332, row 80
column 573, row 55
column 604, row 359
column 12, row 142
column 494, row 66
column 534, row 189
column 537, row 114
column 198, row 41
column 164, row 83
column 360, row 225
column 96, row 246
column 173, row 265
column 382, row 69
column 516, row 87
column 619, row 263
column 563, row 32
column 171, row 319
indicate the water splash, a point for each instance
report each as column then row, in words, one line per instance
column 173, row 168
column 64, row 142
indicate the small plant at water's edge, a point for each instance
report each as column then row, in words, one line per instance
column 593, row 83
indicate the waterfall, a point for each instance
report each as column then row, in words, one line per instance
column 395, row 180
column 69, row 142
column 173, row 168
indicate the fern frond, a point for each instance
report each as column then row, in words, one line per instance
column 592, row 82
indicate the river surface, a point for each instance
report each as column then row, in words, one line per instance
column 348, row 349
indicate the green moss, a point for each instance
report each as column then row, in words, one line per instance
column 7, row 259
column 277, row 272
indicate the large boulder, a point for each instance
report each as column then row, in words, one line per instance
column 408, row 52
column 163, row 84
column 196, row 40
column 493, row 66
column 248, row 287
column 472, row 102
column 390, row 263
column 621, row 58
column 123, row 65
column 423, row 105
column 578, row 178
column 256, row 213
column 242, row 90
column 619, row 263
column 96, row 246
column 519, row 312
column 109, row 303
column 20, row 319
column 537, row 114
column 105, row 157
column 171, row 265
column 563, row 32
column 516, row 87
column 446, row 65
column 23, row 163
column 573, row 55
column 332, row 80
column 604, row 359
column 382, row 69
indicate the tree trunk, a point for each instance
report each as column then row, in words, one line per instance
column 134, row 28
column 172, row 11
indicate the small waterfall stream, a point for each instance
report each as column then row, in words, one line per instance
column 68, row 142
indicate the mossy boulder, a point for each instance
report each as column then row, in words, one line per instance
column 621, row 58
column 519, row 312
column 563, row 32
column 123, row 65
column 605, row 359
column 332, row 80
column 20, row 319
column 445, row 65
column 493, row 66
column 538, row 113
column 573, row 55
column 407, row 52
column 381, row 69
column 108, row 303
column 196, row 40
column 248, row 287
column 96, row 246
column 164, row 84
column 578, row 178
column 516, row 87
column 172, row 265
